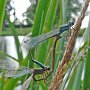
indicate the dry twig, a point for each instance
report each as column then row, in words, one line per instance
column 56, row 83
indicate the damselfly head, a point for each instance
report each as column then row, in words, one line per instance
column 47, row 68
column 25, row 42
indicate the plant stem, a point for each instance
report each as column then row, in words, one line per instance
column 57, row 81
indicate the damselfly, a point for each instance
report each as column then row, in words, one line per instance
column 11, row 71
column 30, row 43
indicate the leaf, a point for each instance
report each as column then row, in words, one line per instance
column 75, row 79
column 26, row 83
column 7, row 55
column 86, row 85
column 20, row 56
column 2, row 12
column 48, row 24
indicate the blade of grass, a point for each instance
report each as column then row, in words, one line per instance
column 75, row 79
column 40, row 16
column 49, row 21
column 2, row 82
column 11, row 84
column 48, row 24
column 8, row 55
column 2, row 12
column 60, row 45
column 86, row 85
column 17, row 43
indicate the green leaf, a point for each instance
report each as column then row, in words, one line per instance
column 49, row 21
column 40, row 15
column 7, row 55
column 86, row 85
column 75, row 80
column 2, row 12
column 11, row 84
column 20, row 56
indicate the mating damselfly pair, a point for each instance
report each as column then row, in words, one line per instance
column 29, row 43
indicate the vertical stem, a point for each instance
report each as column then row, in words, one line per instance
column 57, row 81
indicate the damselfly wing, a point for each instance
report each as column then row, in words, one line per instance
column 11, row 71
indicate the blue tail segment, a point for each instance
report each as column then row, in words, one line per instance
column 66, row 27
column 38, row 63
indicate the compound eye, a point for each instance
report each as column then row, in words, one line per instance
column 71, row 23
column 26, row 41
